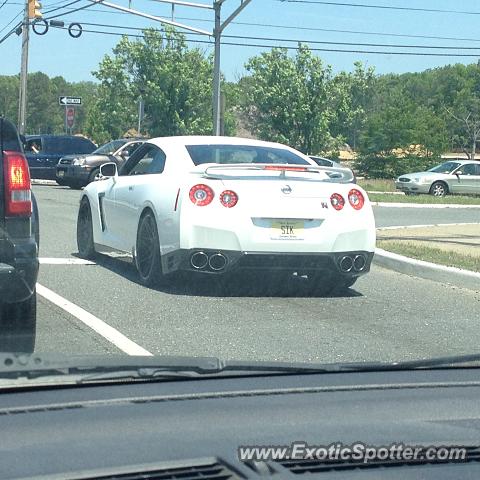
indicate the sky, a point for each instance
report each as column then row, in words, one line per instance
column 56, row 53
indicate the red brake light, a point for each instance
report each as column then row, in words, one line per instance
column 18, row 196
column 201, row 195
column 285, row 167
column 228, row 198
column 337, row 201
column 356, row 199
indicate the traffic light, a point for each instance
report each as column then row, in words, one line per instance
column 34, row 7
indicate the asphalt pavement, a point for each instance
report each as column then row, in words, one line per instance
column 99, row 308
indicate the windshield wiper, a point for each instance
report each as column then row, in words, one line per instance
column 91, row 369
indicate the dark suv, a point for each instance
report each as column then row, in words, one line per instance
column 19, row 238
column 44, row 151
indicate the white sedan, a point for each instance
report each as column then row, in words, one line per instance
column 219, row 205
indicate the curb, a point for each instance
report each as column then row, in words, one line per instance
column 420, row 205
column 404, row 227
column 430, row 271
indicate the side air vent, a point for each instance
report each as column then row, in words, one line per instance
column 207, row 471
column 299, row 467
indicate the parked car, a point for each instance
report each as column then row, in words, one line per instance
column 79, row 170
column 19, row 239
column 44, row 151
column 452, row 177
column 326, row 162
column 219, row 205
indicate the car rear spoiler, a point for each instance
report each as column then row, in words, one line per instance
column 334, row 174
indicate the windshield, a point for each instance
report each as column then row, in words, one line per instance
column 267, row 206
column 234, row 154
column 447, row 167
column 110, row 147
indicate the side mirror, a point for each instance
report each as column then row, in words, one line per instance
column 458, row 172
column 108, row 170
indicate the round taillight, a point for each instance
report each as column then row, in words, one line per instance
column 356, row 199
column 228, row 198
column 337, row 201
column 201, row 195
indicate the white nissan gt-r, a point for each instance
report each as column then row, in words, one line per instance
column 219, row 205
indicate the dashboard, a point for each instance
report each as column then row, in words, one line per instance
column 192, row 429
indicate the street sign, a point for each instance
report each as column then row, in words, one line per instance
column 70, row 100
column 70, row 116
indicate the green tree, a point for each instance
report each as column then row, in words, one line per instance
column 174, row 81
column 354, row 97
column 290, row 100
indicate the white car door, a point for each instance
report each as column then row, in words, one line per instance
column 135, row 185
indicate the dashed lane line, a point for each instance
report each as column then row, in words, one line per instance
column 106, row 331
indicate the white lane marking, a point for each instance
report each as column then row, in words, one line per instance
column 64, row 261
column 399, row 227
column 420, row 205
column 106, row 331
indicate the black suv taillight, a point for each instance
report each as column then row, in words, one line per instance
column 18, row 195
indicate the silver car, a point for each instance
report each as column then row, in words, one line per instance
column 326, row 162
column 452, row 177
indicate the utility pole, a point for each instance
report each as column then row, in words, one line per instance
column 217, row 35
column 22, row 100
column 32, row 11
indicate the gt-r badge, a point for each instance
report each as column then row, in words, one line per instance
column 287, row 189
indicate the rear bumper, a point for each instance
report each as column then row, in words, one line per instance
column 218, row 262
column 77, row 174
column 18, row 270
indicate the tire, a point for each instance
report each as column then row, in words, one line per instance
column 75, row 186
column 147, row 253
column 60, row 182
column 18, row 326
column 93, row 174
column 85, row 241
column 438, row 189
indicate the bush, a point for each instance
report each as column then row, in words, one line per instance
column 390, row 166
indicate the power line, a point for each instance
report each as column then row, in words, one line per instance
column 11, row 21
column 315, row 29
column 61, row 7
column 304, row 41
column 88, row 5
column 335, row 50
column 384, row 7
column 3, row 4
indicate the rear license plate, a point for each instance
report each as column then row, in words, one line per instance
column 287, row 229
column 61, row 173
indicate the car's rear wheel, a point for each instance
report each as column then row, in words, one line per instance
column 438, row 189
column 85, row 241
column 147, row 254
column 18, row 324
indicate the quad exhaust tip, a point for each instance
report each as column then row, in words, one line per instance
column 216, row 261
column 356, row 263
column 199, row 260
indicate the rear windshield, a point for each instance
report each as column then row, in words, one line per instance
column 233, row 154
column 9, row 138
column 68, row 145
